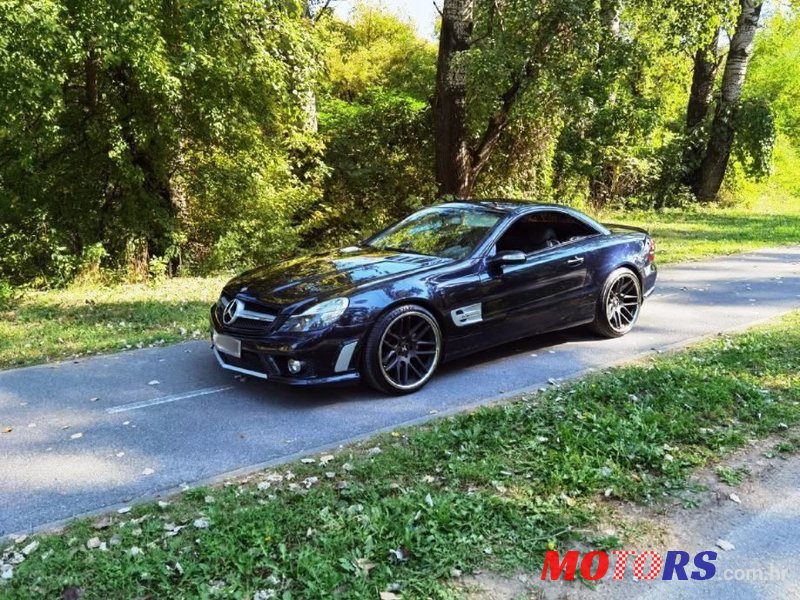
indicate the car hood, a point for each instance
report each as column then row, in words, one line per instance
column 327, row 275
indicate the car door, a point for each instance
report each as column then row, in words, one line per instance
column 552, row 288
column 536, row 296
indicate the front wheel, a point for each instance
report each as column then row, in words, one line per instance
column 402, row 350
column 619, row 304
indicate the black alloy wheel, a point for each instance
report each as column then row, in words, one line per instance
column 402, row 350
column 619, row 304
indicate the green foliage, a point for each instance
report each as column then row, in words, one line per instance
column 182, row 135
column 375, row 120
column 375, row 49
column 755, row 138
column 117, row 121
column 34, row 252
column 774, row 73
column 89, row 268
column 732, row 476
column 8, row 294
column 771, row 102
column 379, row 151
column 594, row 104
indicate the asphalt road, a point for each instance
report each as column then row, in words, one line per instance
column 198, row 423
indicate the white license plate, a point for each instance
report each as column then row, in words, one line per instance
column 228, row 345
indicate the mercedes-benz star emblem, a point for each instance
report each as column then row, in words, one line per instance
column 231, row 312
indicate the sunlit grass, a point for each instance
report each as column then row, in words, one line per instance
column 704, row 233
column 42, row 326
column 764, row 214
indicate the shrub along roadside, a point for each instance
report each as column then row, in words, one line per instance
column 494, row 487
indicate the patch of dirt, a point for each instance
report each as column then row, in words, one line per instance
column 490, row 586
column 693, row 522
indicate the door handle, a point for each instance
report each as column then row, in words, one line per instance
column 576, row 261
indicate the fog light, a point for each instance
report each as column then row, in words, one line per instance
column 295, row 366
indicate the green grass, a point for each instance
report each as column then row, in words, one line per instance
column 490, row 489
column 772, row 218
column 732, row 476
column 683, row 235
column 42, row 326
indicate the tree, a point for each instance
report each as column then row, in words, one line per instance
column 375, row 119
column 774, row 72
column 602, row 180
column 704, row 74
column 510, row 51
column 723, row 127
column 148, row 128
column 454, row 169
column 706, row 65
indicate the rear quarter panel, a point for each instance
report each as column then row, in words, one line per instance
column 622, row 249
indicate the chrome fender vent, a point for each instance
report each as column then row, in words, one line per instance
column 467, row 315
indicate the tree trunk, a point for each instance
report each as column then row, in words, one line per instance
column 155, row 179
column 704, row 75
column 720, row 142
column 457, row 163
column 90, row 76
column 314, row 11
column 453, row 160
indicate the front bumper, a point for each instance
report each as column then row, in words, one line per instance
column 328, row 357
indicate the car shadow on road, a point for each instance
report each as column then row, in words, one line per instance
column 526, row 345
column 280, row 396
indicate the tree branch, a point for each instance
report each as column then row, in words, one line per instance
column 322, row 10
column 499, row 120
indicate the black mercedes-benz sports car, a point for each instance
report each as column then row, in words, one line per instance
column 444, row 282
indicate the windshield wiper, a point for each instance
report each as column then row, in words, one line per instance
column 403, row 250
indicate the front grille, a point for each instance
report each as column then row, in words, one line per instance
column 253, row 320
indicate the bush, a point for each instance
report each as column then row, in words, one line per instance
column 7, row 295
column 36, row 253
column 380, row 154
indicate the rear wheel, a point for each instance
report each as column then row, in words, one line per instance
column 402, row 350
column 619, row 304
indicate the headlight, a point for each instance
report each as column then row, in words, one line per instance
column 318, row 316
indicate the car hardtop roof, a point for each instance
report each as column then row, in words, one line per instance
column 505, row 206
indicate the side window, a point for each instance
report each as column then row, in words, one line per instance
column 541, row 230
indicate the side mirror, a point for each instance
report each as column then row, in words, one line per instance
column 509, row 257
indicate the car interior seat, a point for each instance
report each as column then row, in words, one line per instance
column 528, row 238
column 543, row 237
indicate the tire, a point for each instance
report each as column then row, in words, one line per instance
column 402, row 350
column 619, row 304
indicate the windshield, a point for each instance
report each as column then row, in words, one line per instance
column 448, row 232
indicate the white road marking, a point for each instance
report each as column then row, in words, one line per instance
column 167, row 399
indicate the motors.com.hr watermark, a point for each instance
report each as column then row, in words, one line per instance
column 648, row 565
